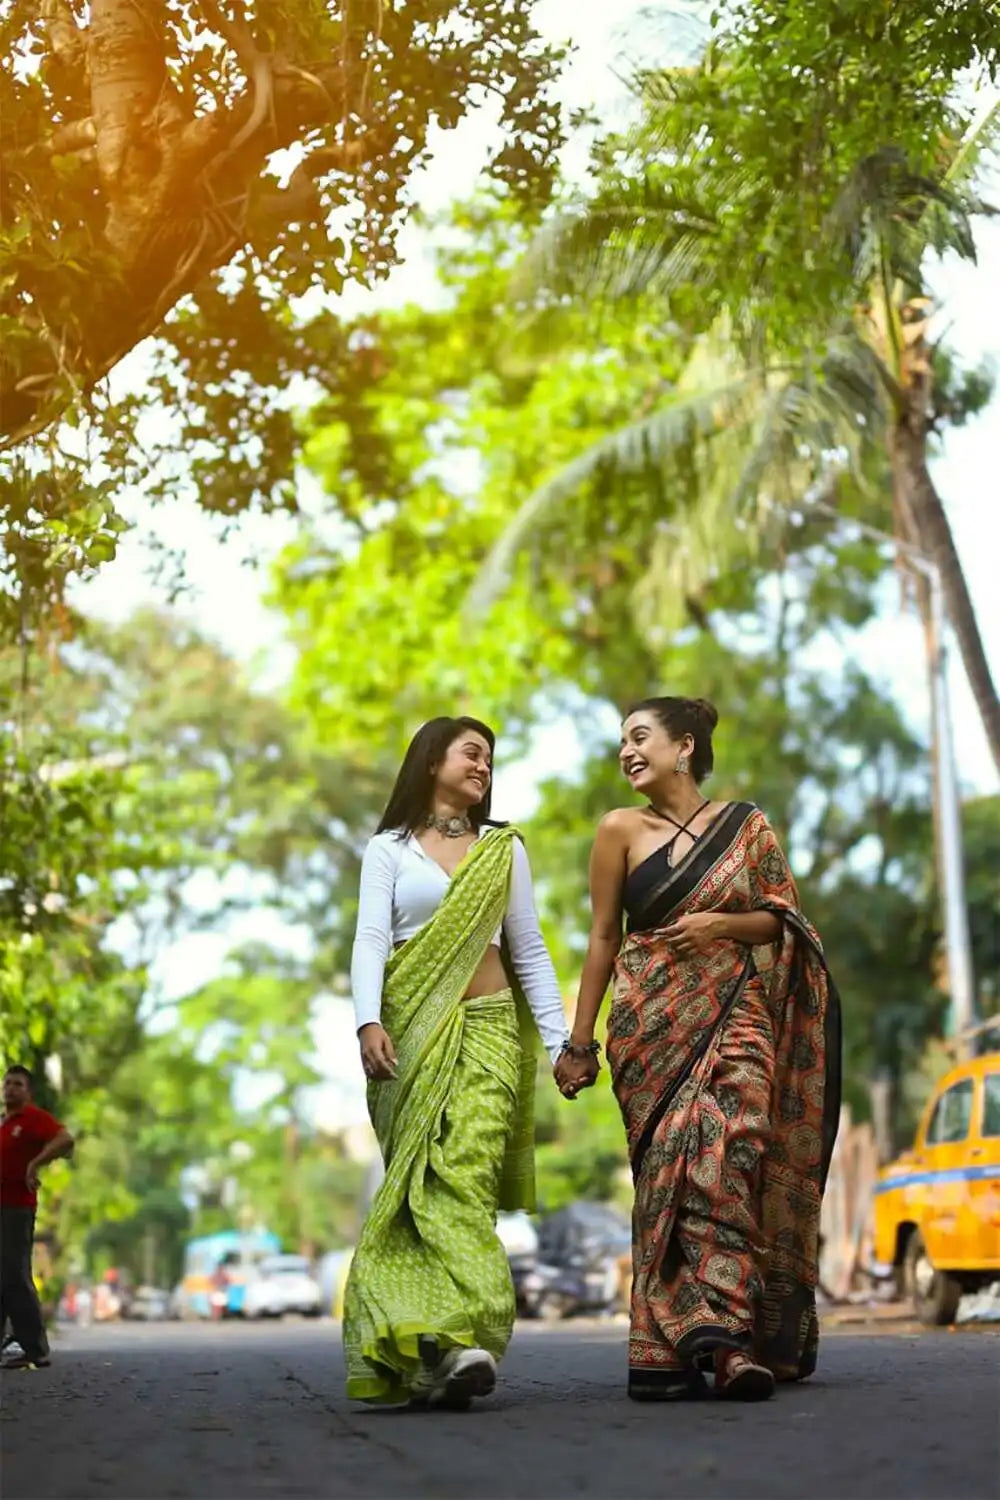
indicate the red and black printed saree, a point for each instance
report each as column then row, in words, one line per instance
column 727, row 1070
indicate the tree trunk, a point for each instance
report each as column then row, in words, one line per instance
column 921, row 504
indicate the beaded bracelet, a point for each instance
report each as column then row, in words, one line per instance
column 581, row 1049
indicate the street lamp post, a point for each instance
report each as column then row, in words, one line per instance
column 961, row 982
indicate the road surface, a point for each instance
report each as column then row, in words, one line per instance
column 139, row 1412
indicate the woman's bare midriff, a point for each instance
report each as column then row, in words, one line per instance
column 489, row 979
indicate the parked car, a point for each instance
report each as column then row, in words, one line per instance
column 517, row 1234
column 282, row 1284
column 216, row 1270
column 332, row 1276
column 149, row 1304
column 937, row 1207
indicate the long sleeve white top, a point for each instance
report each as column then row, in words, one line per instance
column 402, row 887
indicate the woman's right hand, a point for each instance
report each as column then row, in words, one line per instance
column 378, row 1055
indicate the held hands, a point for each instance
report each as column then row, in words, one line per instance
column 573, row 1073
column 694, row 934
column 378, row 1055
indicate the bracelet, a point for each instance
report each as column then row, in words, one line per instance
column 581, row 1049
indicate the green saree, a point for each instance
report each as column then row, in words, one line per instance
column 455, row 1129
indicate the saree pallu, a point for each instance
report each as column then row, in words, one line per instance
column 456, row 1133
column 726, row 1067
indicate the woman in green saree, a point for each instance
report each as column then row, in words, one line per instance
column 451, row 983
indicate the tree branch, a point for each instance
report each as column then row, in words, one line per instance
column 258, row 68
column 67, row 42
column 179, row 187
column 76, row 136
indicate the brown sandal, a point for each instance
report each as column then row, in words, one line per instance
column 738, row 1378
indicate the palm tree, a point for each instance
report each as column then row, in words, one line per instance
column 895, row 325
column 764, row 439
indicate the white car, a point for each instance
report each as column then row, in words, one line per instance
column 517, row 1234
column 282, row 1284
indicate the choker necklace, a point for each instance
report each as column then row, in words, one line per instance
column 452, row 828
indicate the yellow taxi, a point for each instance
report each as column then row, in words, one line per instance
column 937, row 1207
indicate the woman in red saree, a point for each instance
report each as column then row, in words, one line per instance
column 724, row 1049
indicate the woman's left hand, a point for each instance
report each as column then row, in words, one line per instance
column 573, row 1074
column 694, row 934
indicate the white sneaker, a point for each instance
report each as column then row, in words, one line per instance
column 473, row 1374
column 458, row 1377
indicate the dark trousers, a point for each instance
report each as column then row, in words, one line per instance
column 18, row 1298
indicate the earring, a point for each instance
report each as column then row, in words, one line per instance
column 682, row 765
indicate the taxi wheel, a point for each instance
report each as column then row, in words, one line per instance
column 935, row 1294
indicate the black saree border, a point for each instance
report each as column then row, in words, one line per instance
column 657, row 1384
column 682, row 879
column 833, row 1032
column 698, row 1346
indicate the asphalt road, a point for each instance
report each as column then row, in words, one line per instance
column 222, row 1413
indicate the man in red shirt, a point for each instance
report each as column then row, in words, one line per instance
column 29, row 1137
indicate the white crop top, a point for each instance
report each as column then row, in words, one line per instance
column 402, row 887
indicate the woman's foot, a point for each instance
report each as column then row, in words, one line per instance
column 455, row 1380
column 24, row 1361
column 738, row 1378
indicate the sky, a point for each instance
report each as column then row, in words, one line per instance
column 225, row 581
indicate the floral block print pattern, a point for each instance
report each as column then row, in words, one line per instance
column 727, row 1071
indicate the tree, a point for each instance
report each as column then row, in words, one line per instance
column 198, row 183
column 424, row 468
column 789, row 226
column 122, row 1203
column 139, row 759
column 180, row 1147
column 139, row 162
column 140, row 756
column 465, row 412
column 144, row 759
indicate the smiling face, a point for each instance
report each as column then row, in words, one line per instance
column 463, row 777
column 648, row 754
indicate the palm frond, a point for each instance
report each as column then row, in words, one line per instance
column 642, row 447
column 730, row 452
column 619, row 249
column 980, row 142
column 751, row 475
column 891, row 215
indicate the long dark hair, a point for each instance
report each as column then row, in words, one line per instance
column 680, row 716
column 410, row 798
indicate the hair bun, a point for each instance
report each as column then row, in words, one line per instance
column 708, row 710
